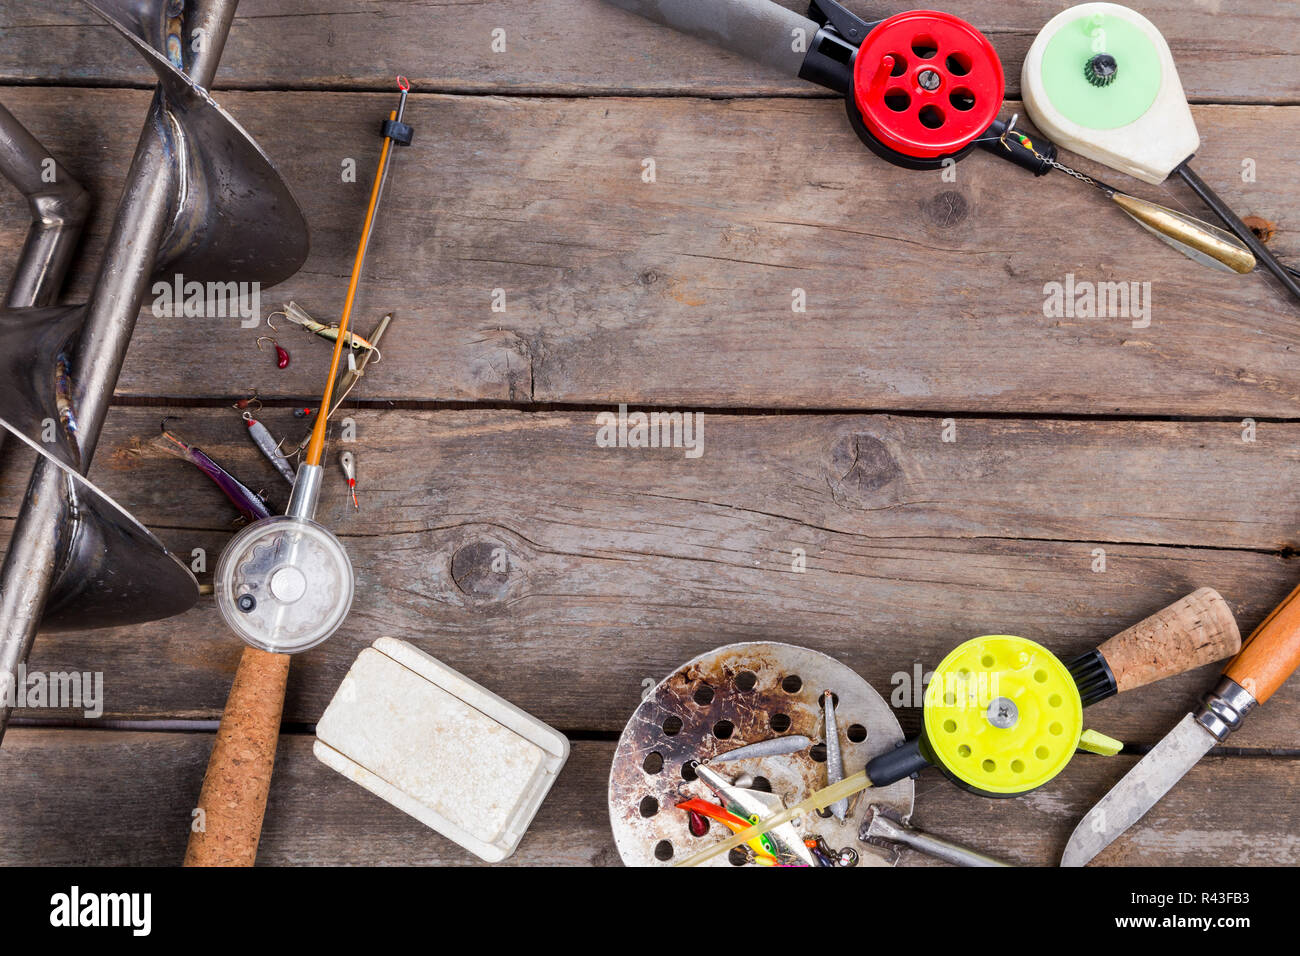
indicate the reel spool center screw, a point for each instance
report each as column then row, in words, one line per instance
column 929, row 80
column 1002, row 713
column 288, row 584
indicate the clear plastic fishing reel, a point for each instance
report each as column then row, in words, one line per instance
column 284, row 584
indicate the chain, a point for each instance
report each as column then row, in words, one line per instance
column 1027, row 143
column 1064, row 168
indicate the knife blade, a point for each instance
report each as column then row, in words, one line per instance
column 1265, row 661
column 1140, row 789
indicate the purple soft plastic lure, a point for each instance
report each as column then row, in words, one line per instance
column 250, row 504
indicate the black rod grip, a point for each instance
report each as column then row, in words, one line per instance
column 758, row 29
column 897, row 764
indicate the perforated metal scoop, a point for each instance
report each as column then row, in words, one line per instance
column 730, row 697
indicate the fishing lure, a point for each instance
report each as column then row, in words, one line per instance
column 761, row 846
column 1198, row 240
column 349, row 463
column 268, row 446
column 834, row 757
column 281, row 356
column 304, row 412
column 773, row 747
column 755, row 805
column 250, row 504
column 354, row 372
column 828, row 857
column 295, row 314
column 698, row 824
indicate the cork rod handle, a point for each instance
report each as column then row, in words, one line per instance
column 1196, row 630
column 233, row 798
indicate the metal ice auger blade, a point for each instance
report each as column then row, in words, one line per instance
column 35, row 354
column 202, row 200
column 110, row 569
column 113, row 571
column 233, row 218
column 160, row 24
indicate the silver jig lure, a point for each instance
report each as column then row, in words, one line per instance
column 773, row 747
column 267, row 446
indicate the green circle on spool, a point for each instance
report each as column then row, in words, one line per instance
column 1136, row 83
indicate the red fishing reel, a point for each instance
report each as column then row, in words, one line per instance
column 925, row 86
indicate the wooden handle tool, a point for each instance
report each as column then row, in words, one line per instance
column 233, row 798
column 1271, row 653
column 1195, row 630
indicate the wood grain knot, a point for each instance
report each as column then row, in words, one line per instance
column 860, row 466
column 481, row 569
column 946, row 209
column 1261, row 227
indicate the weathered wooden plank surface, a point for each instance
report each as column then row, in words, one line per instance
column 122, row 798
column 1241, row 53
column 624, row 563
column 921, row 294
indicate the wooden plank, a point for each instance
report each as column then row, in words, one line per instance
column 921, row 294
column 878, row 477
column 626, row 563
column 125, row 799
column 584, row 46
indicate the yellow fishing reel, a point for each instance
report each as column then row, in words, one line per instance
column 1003, row 715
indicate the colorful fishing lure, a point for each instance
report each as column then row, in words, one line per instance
column 761, row 846
column 295, row 314
column 250, row 504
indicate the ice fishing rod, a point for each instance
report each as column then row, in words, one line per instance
column 284, row 584
column 922, row 90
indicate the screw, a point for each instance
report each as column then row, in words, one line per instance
column 928, row 79
column 246, row 603
column 1002, row 713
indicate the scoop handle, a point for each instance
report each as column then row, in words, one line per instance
column 1271, row 653
column 233, row 799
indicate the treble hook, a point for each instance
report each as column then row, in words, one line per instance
column 1011, row 125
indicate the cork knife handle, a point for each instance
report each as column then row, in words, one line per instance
column 1198, row 629
column 1271, row 653
column 233, row 798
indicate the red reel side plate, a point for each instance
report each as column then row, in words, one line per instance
column 927, row 83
